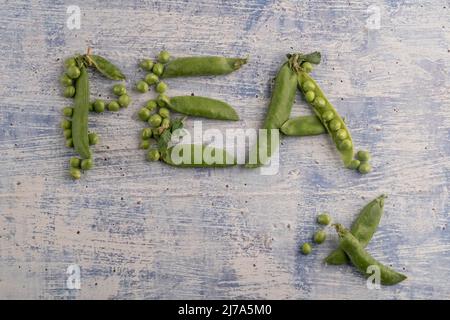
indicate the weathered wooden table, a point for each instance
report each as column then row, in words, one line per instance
column 145, row 230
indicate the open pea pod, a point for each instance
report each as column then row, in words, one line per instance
column 105, row 67
column 196, row 155
column 303, row 126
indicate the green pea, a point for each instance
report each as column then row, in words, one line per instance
column 328, row 115
column 93, row 138
column 364, row 167
column 151, row 105
column 67, row 133
column 75, row 162
column 161, row 87
column 146, row 133
column 335, row 124
column 320, row 102
column 67, row 111
column 363, row 155
column 156, row 133
column 124, row 100
column 320, row 236
column 324, row 219
column 146, row 64
column 164, row 56
column 75, row 173
column 113, row 106
column 153, row 155
column 65, row 80
column 99, row 106
column 162, row 100
column 306, row 248
column 119, row 90
column 151, row 78
column 309, row 96
column 73, row 72
column 155, row 120
column 145, row 144
column 144, row 114
column 70, row 62
column 165, row 123
column 307, row 67
column 69, row 92
column 345, row 145
column 158, row 69
column 66, row 124
column 341, row 134
column 69, row 143
column 354, row 164
column 87, row 164
column 308, row 86
column 164, row 112
column 142, row 86
column 91, row 107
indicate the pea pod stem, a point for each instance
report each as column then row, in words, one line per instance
column 80, row 114
column 203, row 107
column 200, row 156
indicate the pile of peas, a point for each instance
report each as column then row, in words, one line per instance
column 319, row 236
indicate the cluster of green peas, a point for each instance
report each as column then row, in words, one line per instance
column 319, row 236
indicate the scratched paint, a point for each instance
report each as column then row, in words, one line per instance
column 141, row 230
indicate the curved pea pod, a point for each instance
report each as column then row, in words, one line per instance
column 341, row 137
column 105, row 67
column 303, row 126
column 196, row 155
column 362, row 260
column 201, row 66
column 80, row 115
column 203, row 107
column 362, row 228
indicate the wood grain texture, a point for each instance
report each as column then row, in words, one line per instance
column 149, row 231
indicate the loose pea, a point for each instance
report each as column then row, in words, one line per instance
column 67, row 111
column 153, row 155
column 145, row 144
column 328, row 115
column 113, row 106
column 319, row 237
column 158, row 69
column 319, row 102
column 146, row 133
column 165, row 123
column 75, row 162
column 335, row 124
column 164, row 56
column 308, row 86
column 324, row 219
column 306, row 248
column 341, row 134
column 73, row 72
column 124, row 100
column 99, row 106
column 66, row 124
column 144, row 114
column 67, row 133
column 142, row 86
column 161, row 87
column 345, row 145
column 75, row 173
column 91, row 107
column 164, row 112
column 354, row 164
column 310, row 95
column 151, row 105
column 155, row 120
column 146, row 64
column 364, row 167
column 162, row 100
column 70, row 62
column 69, row 91
column 69, row 143
column 93, row 138
column 119, row 90
column 151, row 79
column 87, row 164
column 363, row 155
column 307, row 67
column 65, row 80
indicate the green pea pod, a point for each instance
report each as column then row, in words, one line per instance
column 80, row 114
column 362, row 228
column 200, row 156
column 280, row 107
column 201, row 66
column 362, row 260
column 105, row 67
column 303, row 126
column 322, row 107
column 203, row 107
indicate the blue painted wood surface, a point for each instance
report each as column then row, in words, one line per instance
column 145, row 230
